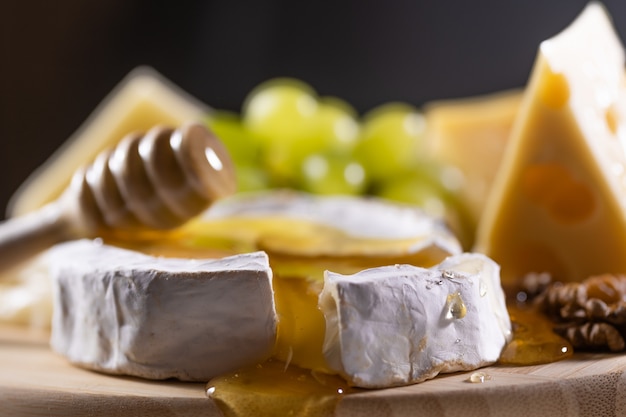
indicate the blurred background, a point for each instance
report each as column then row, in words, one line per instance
column 59, row 59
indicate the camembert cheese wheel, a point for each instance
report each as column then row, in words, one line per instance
column 401, row 324
column 123, row 312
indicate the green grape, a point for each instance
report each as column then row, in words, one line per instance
column 333, row 128
column 332, row 173
column 243, row 148
column 281, row 114
column 336, row 125
column 391, row 140
column 251, row 178
column 277, row 110
column 414, row 189
column 239, row 141
column 434, row 189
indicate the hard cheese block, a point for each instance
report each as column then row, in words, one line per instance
column 122, row 312
column 558, row 205
column 402, row 324
column 471, row 135
column 142, row 100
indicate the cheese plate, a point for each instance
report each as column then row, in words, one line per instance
column 35, row 380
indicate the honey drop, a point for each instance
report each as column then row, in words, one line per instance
column 455, row 306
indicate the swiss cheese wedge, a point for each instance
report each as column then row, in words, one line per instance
column 559, row 202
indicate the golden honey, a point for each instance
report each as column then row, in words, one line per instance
column 534, row 342
column 276, row 389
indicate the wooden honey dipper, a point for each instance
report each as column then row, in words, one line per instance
column 154, row 181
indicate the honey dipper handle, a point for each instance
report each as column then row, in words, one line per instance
column 25, row 236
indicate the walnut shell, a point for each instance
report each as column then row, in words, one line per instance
column 589, row 314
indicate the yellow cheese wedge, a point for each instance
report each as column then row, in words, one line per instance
column 142, row 100
column 559, row 201
column 471, row 135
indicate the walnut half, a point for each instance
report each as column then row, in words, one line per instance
column 589, row 314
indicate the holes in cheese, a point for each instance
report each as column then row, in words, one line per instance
column 553, row 90
column 554, row 187
column 612, row 119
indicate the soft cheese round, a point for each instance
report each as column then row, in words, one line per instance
column 357, row 217
column 402, row 324
column 123, row 312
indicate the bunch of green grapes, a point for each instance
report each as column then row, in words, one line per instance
column 288, row 136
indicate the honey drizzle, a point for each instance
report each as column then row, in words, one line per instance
column 534, row 342
column 276, row 389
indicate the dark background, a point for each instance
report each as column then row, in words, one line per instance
column 58, row 59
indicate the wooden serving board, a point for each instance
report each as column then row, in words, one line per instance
column 34, row 381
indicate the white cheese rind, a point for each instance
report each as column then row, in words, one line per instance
column 123, row 312
column 392, row 326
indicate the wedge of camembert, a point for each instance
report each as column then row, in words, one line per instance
column 123, row 312
column 399, row 325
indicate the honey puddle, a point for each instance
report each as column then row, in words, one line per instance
column 534, row 342
column 275, row 389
